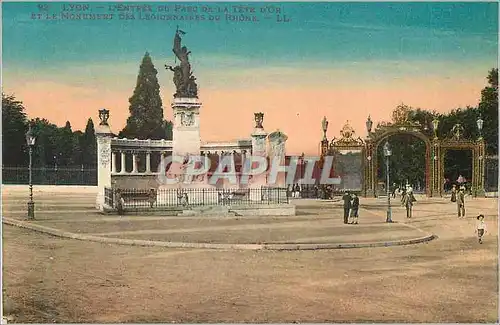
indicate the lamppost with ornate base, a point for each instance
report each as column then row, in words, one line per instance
column 30, row 141
column 387, row 155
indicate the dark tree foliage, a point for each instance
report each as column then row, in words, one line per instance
column 407, row 162
column 14, row 127
column 46, row 150
column 146, row 111
column 54, row 146
column 408, row 159
column 424, row 118
column 66, row 145
column 488, row 107
column 88, row 145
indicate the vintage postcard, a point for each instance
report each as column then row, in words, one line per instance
column 249, row 162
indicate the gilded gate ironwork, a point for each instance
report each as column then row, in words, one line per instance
column 455, row 141
column 349, row 142
column 436, row 149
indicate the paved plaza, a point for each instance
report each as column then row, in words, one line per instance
column 451, row 278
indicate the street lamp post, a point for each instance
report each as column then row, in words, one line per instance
column 30, row 141
column 479, row 123
column 387, row 154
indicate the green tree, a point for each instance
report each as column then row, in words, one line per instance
column 146, row 111
column 66, row 144
column 424, row 118
column 46, row 147
column 77, row 158
column 407, row 162
column 488, row 107
column 88, row 145
column 14, row 127
column 168, row 127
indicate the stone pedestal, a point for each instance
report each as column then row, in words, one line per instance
column 186, row 129
column 103, row 135
column 258, row 149
column 186, row 142
column 276, row 154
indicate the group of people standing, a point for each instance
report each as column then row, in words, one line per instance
column 351, row 208
column 295, row 190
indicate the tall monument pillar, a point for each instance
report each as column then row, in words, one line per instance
column 103, row 135
column 186, row 106
column 186, row 129
column 259, row 136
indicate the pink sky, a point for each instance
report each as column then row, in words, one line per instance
column 228, row 115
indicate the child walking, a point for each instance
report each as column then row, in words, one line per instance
column 480, row 228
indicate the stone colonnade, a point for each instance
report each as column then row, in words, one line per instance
column 113, row 152
column 120, row 154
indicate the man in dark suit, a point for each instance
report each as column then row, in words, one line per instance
column 347, row 206
column 354, row 209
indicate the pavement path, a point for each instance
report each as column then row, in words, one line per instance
column 71, row 213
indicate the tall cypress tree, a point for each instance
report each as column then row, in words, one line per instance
column 146, row 111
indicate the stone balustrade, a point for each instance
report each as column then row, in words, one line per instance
column 142, row 150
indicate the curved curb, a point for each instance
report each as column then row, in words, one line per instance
column 279, row 247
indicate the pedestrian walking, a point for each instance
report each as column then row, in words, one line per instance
column 347, row 206
column 393, row 190
column 408, row 200
column 480, row 228
column 461, row 202
column 354, row 209
column 454, row 193
column 403, row 195
column 152, row 197
column 120, row 202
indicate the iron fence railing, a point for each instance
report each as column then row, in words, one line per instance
column 143, row 199
column 109, row 197
column 50, row 176
column 310, row 191
column 491, row 174
column 307, row 191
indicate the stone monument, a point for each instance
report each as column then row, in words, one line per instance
column 276, row 153
column 103, row 134
column 186, row 106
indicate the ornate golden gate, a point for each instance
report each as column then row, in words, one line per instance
column 434, row 157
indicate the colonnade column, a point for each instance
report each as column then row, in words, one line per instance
column 123, row 163
column 113, row 163
column 134, row 163
column 148, row 162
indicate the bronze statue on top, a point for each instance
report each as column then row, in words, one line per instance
column 184, row 80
